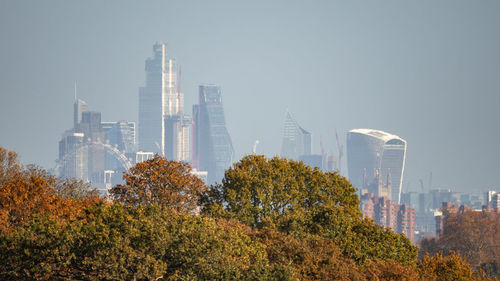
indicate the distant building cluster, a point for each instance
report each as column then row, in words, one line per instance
column 385, row 212
column 99, row 152
column 375, row 161
column 429, row 205
column 449, row 207
column 94, row 150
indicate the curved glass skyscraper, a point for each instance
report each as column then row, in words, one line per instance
column 212, row 146
column 371, row 151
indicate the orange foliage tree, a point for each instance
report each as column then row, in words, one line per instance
column 25, row 192
column 166, row 183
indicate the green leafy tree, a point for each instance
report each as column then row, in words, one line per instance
column 258, row 190
column 294, row 198
column 145, row 242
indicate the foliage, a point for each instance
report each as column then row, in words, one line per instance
column 117, row 242
column 472, row 234
column 74, row 189
column 27, row 192
column 271, row 219
column 451, row 267
column 257, row 190
column 166, row 183
column 294, row 198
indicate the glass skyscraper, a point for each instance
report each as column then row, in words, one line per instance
column 212, row 146
column 371, row 151
column 158, row 99
column 296, row 140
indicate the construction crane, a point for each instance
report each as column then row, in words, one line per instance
column 430, row 181
column 341, row 150
column 323, row 156
column 421, row 185
column 179, row 92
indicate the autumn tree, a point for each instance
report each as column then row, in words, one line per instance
column 145, row 242
column 166, row 183
column 74, row 189
column 29, row 191
column 472, row 234
column 450, row 267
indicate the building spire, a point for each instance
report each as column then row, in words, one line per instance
column 75, row 92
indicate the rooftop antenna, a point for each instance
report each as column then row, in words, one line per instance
column 341, row 150
column 255, row 147
column 75, row 91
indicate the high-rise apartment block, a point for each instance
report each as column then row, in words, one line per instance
column 212, row 146
column 385, row 212
column 371, row 151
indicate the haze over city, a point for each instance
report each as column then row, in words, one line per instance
column 425, row 71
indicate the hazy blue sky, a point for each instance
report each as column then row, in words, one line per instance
column 428, row 71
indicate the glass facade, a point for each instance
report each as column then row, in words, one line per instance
column 296, row 140
column 212, row 146
column 369, row 151
column 158, row 99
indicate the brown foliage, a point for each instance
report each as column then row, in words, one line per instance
column 166, row 183
column 451, row 267
column 473, row 235
column 26, row 192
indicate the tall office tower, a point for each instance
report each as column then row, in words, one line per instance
column 296, row 140
column 78, row 108
column 177, row 130
column 369, row 151
column 73, row 157
column 212, row 146
column 159, row 99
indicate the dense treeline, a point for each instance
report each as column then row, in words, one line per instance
column 270, row 219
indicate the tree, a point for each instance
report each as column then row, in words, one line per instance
column 257, row 190
column 29, row 191
column 9, row 165
column 472, row 234
column 294, row 198
column 166, row 183
column 451, row 267
column 145, row 242
column 74, row 189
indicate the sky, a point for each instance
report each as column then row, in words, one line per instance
column 427, row 71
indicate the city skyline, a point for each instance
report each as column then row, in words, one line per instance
column 424, row 71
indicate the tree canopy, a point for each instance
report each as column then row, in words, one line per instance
column 166, row 183
column 271, row 219
column 295, row 198
column 472, row 234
